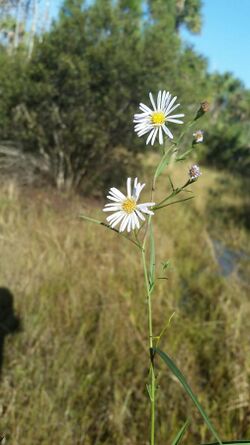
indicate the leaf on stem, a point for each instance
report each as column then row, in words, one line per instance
column 101, row 223
column 157, row 207
column 88, row 218
column 171, row 365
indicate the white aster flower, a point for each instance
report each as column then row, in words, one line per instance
column 126, row 210
column 154, row 121
column 194, row 172
column 198, row 136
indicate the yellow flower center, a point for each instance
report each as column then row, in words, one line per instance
column 158, row 118
column 129, row 205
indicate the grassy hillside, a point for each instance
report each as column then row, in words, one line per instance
column 75, row 373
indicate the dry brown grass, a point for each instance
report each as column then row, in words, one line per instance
column 76, row 373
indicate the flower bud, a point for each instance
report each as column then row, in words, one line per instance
column 204, row 108
column 194, row 172
column 198, row 137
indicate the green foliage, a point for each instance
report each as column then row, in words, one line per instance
column 228, row 129
column 74, row 103
column 71, row 105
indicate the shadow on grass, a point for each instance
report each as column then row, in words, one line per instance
column 9, row 322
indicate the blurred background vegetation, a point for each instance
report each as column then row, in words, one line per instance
column 67, row 96
column 76, row 372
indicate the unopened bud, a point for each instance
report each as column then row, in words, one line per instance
column 204, row 108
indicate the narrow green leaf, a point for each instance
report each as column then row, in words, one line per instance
column 188, row 390
column 96, row 221
column 231, row 442
column 88, row 218
column 180, row 433
column 152, row 257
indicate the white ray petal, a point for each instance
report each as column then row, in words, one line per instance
column 116, row 193
column 129, row 187
column 145, row 204
column 136, row 220
column 163, row 98
column 159, row 100
column 143, row 127
column 167, row 131
column 152, row 101
column 140, row 125
column 175, row 121
column 170, row 110
column 143, row 120
column 138, row 212
column 146, row 210
column 171, row 103
column 176, row 115
column 129, row 223
column 150, row 136
column 124, row 223
column 111, row 209
column 168, row 99
column 138, row 190
column 117, row 221
column 142, row 132
column 112, row 198
column 142, row 115
column 144, row 107
column 112, row 218
column 133, row 221
column 160, row 136
column 111, row 204
column 154, row 136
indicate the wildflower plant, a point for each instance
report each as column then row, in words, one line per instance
column 134, row 220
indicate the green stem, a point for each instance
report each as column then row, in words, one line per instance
column 157, row 207
column 149, row 289
column 150, row 328
column 174, row 193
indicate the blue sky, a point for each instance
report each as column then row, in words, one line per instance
column 225, row 36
